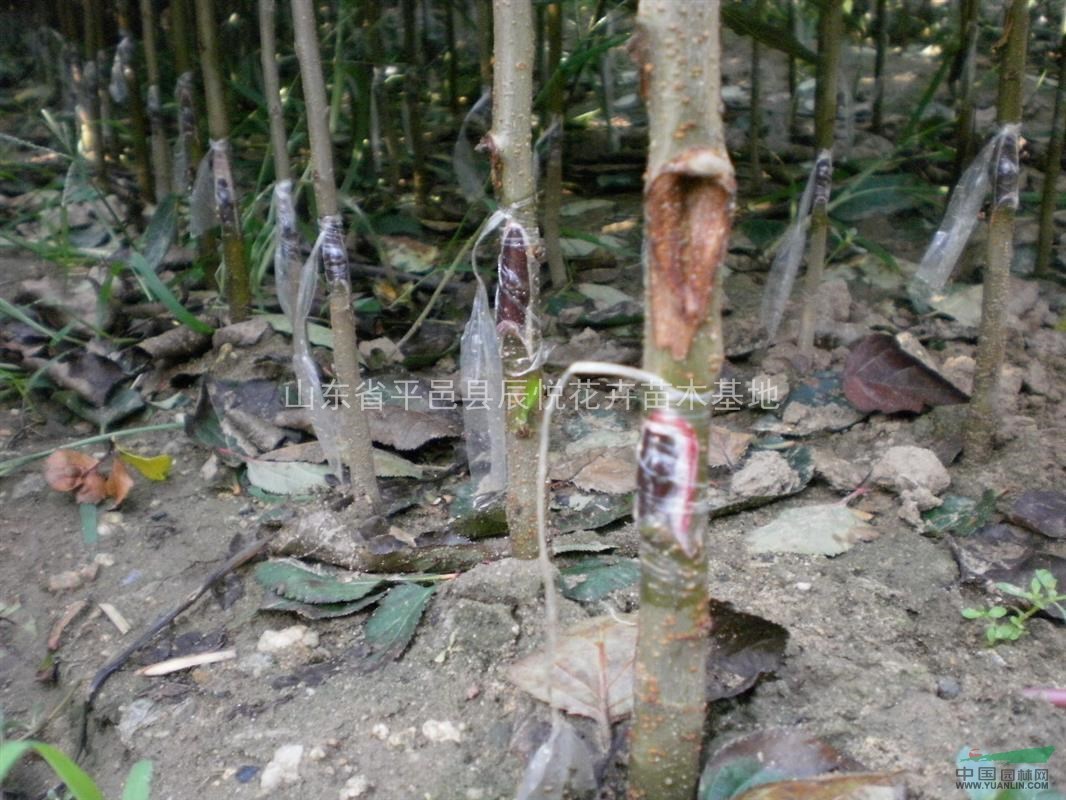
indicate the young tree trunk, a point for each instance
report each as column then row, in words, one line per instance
column 1049, row 198
column 755, row 118
column 138, row 123
column 483, row 9
column 877, row 123
column 161, row 162
column 355, row 430
column 992, row 336
column 92, row 144
column 279, row 141
column 688, row 199
column 965, row 134
column 553, row 179
column 181, row 42
column 238, row 284
column 412, row 79
column 517, row 295
column 386, row 114
column 830, row 32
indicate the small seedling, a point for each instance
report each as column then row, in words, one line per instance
column 1041, row 595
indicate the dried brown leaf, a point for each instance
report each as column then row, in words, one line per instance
column 854, row 786
column 64, row 470
column 118, row 483
column 92, row 488
column 880, row 376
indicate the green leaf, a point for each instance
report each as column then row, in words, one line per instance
column 318, row 335
column 160, row 232
column 287, row 477
column 81, row 786
column 159, row 290
column 594, row 578
column 1007, row 631
column 139, row 781
column 10, row 753
column 89, row 514
column 974, row 613
column 317, row 610
column 294, row 581
column 1046, row 579
column 1011, row 589
column 996, row 612
column 154, row 468
column 390, row 629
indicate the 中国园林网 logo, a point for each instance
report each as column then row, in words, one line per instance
column 1021, row 772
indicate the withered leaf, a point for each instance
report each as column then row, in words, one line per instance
column 743, row 647
column 829, row 787
column 119, row 483
column 593, row 671
column 766, row 756
column 64, row 469
column 880, row 376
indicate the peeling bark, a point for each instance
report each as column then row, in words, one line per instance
column 688, row 197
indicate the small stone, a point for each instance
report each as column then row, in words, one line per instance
column 356, row 786
column 441, row 731
column 841, row 475
column 803, row 586
column 906, row 468
column 283, row 769
column 766, row 474
column 210, row 470
column 947, row 688
column 1036, row 379
column 959, row 370
column 316, row 753
column 246, row 774
column 255, row 664
column 272, row 641
column 380, row 731
column 65, row 581
column 104, row 559
column 473, row 691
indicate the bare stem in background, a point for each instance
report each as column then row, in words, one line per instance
column 138, row 123
column 1053, row 167
column 553, row 179
column 830, row 33
column 355, row 430
column 992, row 336
column 689, row 189
column 238, row 284
column 279, row 142
column 412, row 79
column 161, row 163
column 881, row 47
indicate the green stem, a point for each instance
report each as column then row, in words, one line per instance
column 688, row 195
column 11, row 464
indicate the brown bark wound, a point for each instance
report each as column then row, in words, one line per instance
column 512, row 292
column 689, row 213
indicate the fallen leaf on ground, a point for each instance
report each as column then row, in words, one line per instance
column 726, row 447
column 827, row 530
column 154, row 468
column 765, row 757
column 73, row 471
column 880, row 376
